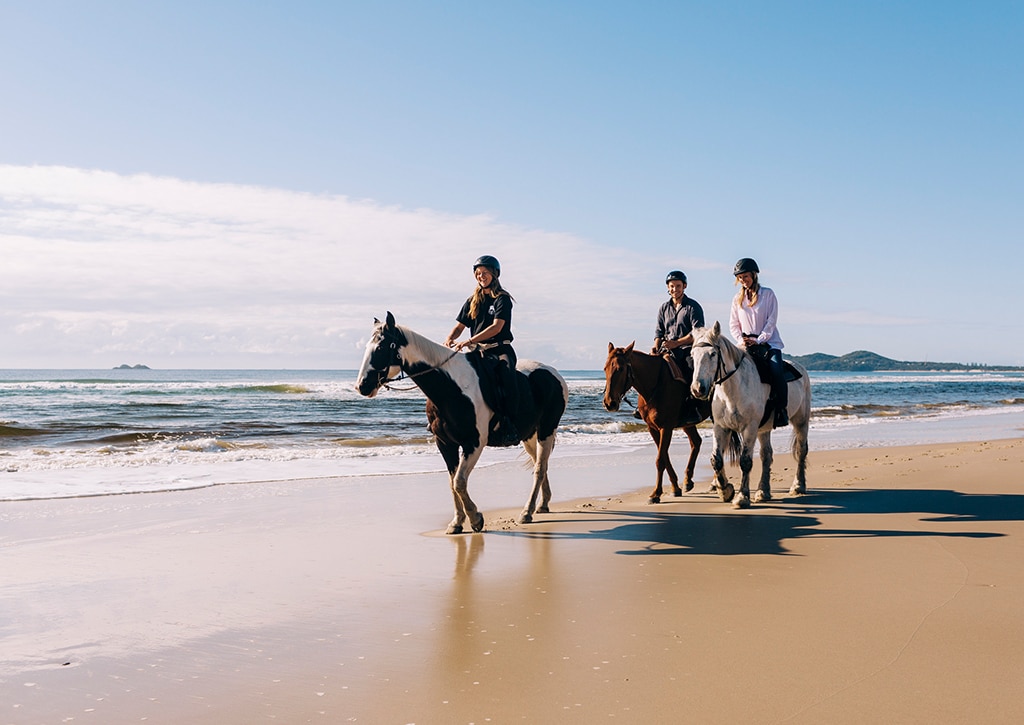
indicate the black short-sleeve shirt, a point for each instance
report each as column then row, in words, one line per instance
column 496, row 308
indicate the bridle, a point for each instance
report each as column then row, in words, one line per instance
column 630, row 379
column 719, row 376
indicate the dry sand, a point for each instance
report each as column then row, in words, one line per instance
column 892, row 592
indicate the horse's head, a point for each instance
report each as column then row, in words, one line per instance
column 707, row 358
column 618, row 376
column 383, row 358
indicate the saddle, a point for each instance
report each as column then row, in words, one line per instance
column 765, row 371
column 674, row 367
column 488, row 370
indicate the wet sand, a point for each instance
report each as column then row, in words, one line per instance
column 891, row 592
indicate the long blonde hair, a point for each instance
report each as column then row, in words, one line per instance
column 477, row 299
column 741, row 297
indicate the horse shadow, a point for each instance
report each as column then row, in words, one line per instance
column 661, row 533
column 936, row 505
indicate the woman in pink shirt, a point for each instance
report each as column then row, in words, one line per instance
column 753, row 322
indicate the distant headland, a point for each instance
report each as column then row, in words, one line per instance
column 864, row 361
column 132, row 367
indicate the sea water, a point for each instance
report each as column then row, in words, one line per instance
column 95, row 432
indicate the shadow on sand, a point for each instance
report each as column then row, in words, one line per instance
column 662, row 532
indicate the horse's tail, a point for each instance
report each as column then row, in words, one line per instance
column 735, row 446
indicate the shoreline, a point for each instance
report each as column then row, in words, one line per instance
column 890, row 591
column 147, row 477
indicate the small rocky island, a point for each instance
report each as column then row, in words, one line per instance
column 132, row 367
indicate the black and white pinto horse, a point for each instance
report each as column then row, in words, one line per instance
column 457, row 414
column 738, row 404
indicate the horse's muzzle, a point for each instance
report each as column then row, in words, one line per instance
column 368, row 387
column 699, row 392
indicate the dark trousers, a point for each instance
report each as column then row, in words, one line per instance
column 508, row 386
column 773, row 356
column 684, row 359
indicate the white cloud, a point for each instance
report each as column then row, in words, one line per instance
column 102, row 268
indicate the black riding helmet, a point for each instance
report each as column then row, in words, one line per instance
column 675, row 274
column 745, row 265
column 488, row 261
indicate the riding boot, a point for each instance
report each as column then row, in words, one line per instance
column 780, row 389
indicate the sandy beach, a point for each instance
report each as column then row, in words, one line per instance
column 890, row 593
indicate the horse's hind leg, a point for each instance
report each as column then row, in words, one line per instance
column 695, row 442
column 764, row 487
column 540, row 452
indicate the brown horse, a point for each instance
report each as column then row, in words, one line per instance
column 664, row 404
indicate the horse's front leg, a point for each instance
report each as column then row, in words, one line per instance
column 464, row 506
column 722, row 437
column 662, row 438
column 800, row 453
column 695, row 442
column 764, row 487
column 540, row 452
column 747, row 439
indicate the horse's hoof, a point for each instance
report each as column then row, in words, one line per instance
column 478, row 525
column 727, row 492
column 762, row 496
column 741, row 502
column 454, row 529
column 543, row 509
column 654, row 499
column 797, row 490
column 526, row 519
column 689, row 486
column 677, row 493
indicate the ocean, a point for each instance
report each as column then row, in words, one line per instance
column 100, row 432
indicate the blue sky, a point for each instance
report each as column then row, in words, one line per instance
column 247, row 184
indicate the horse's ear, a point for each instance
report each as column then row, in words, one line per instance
column 717, row 329
column 610, row 348
column 376, row 322
column 629, row 347
column 389, row 320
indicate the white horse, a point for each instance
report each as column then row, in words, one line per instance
column 457, row 414
column 738, row 411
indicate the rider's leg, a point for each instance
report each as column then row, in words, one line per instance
column 508, row 392
column 779, row 388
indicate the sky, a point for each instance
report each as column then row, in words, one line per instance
column 224, row 184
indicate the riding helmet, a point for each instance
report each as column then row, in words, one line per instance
column 488, row 261
column 675, row 274
column 745, row 265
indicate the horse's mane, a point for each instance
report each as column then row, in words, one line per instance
column 425, row 349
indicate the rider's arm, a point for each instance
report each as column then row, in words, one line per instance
column 483, row 336
column 454, row 334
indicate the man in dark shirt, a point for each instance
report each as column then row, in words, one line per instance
column 676, row 320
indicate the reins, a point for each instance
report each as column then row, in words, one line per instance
column 406, row 376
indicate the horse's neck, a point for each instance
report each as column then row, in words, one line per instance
column 738, row 360
column 421, row 350
column 647, row 371
column 432, row 367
